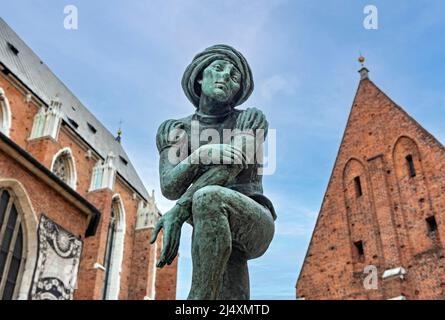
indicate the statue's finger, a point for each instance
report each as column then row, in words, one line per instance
column 239, row 157
column 240, row 121
column 173, row 256
column 227, row 159
column 230, row 157
column 257, row 121
column 227, row 152
column 173, row 251
column 165, row 247
column 246, row 120
column 160, row 264
column 251, row 114
column 155, row 233
column 161, row 261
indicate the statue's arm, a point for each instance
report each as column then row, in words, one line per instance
column 176, row 174
column 176, row 179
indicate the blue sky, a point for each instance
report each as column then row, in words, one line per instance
column 127, row 58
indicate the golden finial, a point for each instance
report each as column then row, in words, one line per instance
column 363, row 71
column 361, row 59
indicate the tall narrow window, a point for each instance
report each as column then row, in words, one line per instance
column 5, row 113
column 359, row 250
column 411, row 168
column 63, row 168
column 109, row 252
column 11, row 247
column 431, row 224
column 114, row 250
column 358, row 187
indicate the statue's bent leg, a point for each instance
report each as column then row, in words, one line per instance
column 229, row 229
column 218, row 175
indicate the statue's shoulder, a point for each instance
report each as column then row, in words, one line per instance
column 165, row 129
column 251, row 110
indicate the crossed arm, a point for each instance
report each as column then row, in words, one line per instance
column 183, row 179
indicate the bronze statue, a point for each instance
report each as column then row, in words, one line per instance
column 216, row 177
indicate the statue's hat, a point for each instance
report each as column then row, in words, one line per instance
column 192, row 88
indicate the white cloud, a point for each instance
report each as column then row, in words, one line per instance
column 277, row 84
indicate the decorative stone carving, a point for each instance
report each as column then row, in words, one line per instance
column 55, row 274
column 47, row 120
column 147, row 214
column 104, row 174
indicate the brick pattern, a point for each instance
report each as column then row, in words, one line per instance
column 166, row 279
column 389, row 218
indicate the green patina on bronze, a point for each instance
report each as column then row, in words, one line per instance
column 232, row 220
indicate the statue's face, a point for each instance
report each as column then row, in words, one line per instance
column 221, row 81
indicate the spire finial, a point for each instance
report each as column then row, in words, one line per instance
column 363, row 70
column 119, row 132
column 361, row 59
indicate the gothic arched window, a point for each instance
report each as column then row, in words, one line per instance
column 11, row 247
column 63, row 168
column 114, row 250
column 5, row 113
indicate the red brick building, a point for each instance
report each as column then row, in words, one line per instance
column 75, row 218
column 384, row 210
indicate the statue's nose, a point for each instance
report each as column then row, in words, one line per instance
column 225, row 75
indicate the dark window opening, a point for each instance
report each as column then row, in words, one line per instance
column 11, row 246
column 123, row 160
column 13, row 48
column 359, row 250
column 358, row 187
column 411, row 168
column 73, row 123
column 432, row 224
column 5, row 70
column 92, row 128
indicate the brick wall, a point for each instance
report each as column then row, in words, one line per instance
column 43, row 198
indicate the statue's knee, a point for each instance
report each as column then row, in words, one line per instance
column 207, row 201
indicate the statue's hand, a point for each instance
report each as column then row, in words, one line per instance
column 252, row 119
column 171, row 222
column 218, row 154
